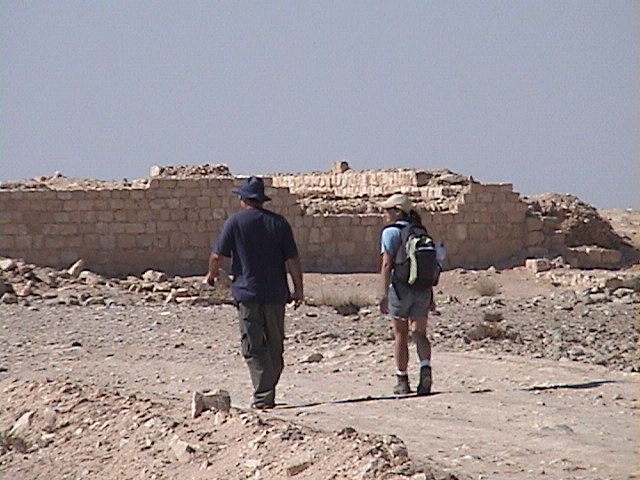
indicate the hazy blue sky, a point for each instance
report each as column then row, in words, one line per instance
column 542, row 94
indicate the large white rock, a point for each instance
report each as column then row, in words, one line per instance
column 537, row 264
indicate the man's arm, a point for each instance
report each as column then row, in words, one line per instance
column 295, row 270
column 215, row 262
column 386, row 265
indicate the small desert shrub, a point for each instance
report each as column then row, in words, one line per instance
column 10, row 442
column 486, row 287
column 342, row 302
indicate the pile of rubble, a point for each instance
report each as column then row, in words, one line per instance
column 182, row 171
column 58, row 181
column 587, row 239
column 321, row 204
column 63, row 427
column 329, row 204
column 580, row 223
column 26, row 284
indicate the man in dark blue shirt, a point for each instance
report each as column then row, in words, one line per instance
column 261, row 246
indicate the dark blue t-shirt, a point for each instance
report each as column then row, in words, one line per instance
column 258, row 242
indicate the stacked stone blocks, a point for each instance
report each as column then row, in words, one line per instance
column 171, row 224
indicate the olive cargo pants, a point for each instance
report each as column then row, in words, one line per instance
column 262, row 342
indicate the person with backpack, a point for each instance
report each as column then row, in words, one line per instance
column 409, row 269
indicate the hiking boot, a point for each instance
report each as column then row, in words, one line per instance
column 424, row 387
column 402, row 386
column 262, row 406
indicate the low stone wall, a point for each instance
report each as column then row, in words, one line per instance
column 170, row 224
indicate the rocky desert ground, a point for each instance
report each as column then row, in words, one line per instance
column 535, row 376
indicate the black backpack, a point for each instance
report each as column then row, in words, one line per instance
column 415, row 263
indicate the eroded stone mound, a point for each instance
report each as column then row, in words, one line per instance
column 581, row 223
column 58, row 429
column 182, row 171
column 58, row 181
column 587, row 236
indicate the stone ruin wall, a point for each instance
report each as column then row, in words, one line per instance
column 169, row 223
column 481, row 224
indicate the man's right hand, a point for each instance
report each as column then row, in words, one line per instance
column 210, row 279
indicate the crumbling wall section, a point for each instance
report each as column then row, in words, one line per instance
column 438, row 189
column 352, row 183
column 486, row 227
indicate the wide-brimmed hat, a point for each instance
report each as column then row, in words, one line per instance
column 253, row 189
column 399, row 201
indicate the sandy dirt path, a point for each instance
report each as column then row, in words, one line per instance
column 490, row 417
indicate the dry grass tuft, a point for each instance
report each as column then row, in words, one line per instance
column 486, row 287
column 346, row 302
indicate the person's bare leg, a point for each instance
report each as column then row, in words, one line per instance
column 423, row 348
column 401, row 350
column 401, row 343
column 419, row 335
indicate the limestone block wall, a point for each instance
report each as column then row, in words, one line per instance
column 338, row 243
column 486, row 228
column 171, row 224
column 544, row 239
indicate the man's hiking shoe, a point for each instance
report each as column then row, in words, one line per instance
column 262, row 406
column 424, row 387
column 402, row 387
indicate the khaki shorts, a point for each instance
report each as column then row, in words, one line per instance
column 405, row 302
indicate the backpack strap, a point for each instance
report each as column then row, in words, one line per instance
column 400, row 227
column 396, row 225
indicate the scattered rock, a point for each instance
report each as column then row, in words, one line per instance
column 5, row 287
column 90, row 278
column 8, row 298
column 314, row 358
column 492, row 316
column 74, row 286
column 76, row 268
column 154, row 276
column 7, row 264
column 50, row 417
column 484, row 330
column 219, row 401
column 299, row 464
column 181, row 449
column 347, row 309
column 537, row 264
column 22, row 424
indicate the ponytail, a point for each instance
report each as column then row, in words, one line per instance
column 414, row 217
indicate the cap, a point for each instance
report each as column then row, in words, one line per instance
column 399, row 201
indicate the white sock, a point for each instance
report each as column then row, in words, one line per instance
column 400, row 373
column 425, row 363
